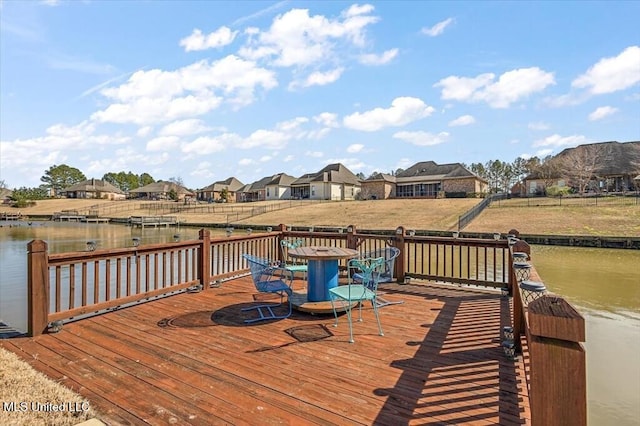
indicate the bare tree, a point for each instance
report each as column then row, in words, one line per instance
column 580, row 164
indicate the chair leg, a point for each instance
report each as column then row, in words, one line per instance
column 375, row 311
column 266, row 312
column 351, row 340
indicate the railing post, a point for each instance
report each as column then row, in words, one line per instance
column 205, row 258
column 399, row 244
column 352, row 240
column 38, row 287
column 558, row 366
column 281, row 229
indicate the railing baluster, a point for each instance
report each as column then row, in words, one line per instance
column 58, row 290
column 107, row 280
column 96, row 281
column 72, row 285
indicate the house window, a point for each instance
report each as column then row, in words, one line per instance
column 404, row 191
column 268, row 193
column 313, row 190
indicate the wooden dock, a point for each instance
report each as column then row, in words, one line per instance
column 10, row 216
column 96, row 220
column 190, row 359
column 154, row 221
column 68, row 216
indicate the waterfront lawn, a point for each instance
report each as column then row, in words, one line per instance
column 620, row 220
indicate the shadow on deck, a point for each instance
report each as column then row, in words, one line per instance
column 190, row 359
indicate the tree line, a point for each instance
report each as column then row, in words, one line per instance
column 59, row 177
column 578, row 167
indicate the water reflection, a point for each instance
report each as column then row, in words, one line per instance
column 604, row 284
column 63, row 237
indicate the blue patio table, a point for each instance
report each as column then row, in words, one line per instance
column 323, row 268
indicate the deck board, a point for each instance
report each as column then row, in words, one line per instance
column 190, row 359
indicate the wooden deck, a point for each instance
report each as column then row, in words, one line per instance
column 190, row 359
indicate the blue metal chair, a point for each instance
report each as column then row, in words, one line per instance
column 389, row 254
column 265, row 281
column 369, row 270
column 292, row 265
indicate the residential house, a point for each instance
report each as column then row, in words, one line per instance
column 255, row 191
column 94, row 188
column 378, row 186
column 616, row 166
column 162, row 190
column 5, row 196
column 425, row 179
column 213, row 192
column 334, row 182
column 279, row 187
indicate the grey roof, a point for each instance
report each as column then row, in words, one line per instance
column 93, row 185
column 304, row 179
column 336, row 173
column 282, row 179
column 161, row 187
column 231, row 183
column 437, row 171
column 619, row 158
column 259, row 184
column 5, row 192
column 381, row 176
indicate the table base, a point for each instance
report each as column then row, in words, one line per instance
column 300, row 303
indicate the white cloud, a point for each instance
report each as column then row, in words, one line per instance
column 373, row 59
column 612, row 74
column 314, row 154
column 403, row 111
column 207, row 145
column 50, row 2
column 163, row 143
column 297, row 39
column 158, row 96
column 327, row 119
column 557, row 141
column 512, row 86
column 602, row 112
column 198, row 41
column 202, row 170
column 463, row 120
column 288, row 158
column 270, row 139
column 422, row 138
column 144, row 131
column 438, row 28
column 540, row 125
column 126, row 158
column 190, row 126
column 354, row 148
column 246, row 162
column 319, row 78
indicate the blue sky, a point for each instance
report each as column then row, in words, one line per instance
column 205, row 90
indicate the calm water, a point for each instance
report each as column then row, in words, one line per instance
column 604, row 284
column 63, row 237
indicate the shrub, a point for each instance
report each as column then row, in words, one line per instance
column 558, row 191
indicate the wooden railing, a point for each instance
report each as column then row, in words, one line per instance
column 472, row 261
column 552, row 330
column 71, row 285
